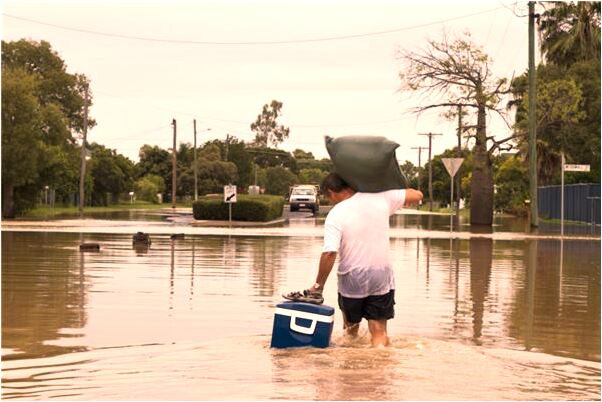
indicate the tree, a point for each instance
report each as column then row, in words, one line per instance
column 267, row 130
column 56, row 86
column 234, row 150
column 568, row 92
column 147, row 188
column 512, row 186
column 213, row 172
column 411, row 172
column 459, row 72
column 311, row 176
column 156, row 161
column 570, row 32
column 324, row 164
column 301, row 154
column 54, row 100
column 21, row 135
column 279, row 180
column 559, row 112
column 441, row 179
column 112, row 173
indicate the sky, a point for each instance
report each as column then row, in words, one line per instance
column 333, row 65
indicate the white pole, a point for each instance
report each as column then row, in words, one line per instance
column 562, row 195
column 451, row 205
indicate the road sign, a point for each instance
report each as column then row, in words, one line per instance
column 452, row 165
column 229, row 194
column 576, row 168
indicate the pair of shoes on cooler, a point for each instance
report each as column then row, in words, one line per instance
column 306, row 296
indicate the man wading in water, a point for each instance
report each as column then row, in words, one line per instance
column 357, row 227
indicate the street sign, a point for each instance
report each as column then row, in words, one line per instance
column 229, row 194
column 576, row 168
column 452, row 165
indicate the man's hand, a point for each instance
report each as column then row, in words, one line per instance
column 413, row 197
column 316, row 288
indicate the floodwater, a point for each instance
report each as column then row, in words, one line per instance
column 476, row 318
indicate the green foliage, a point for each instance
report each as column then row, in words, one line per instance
column 56, row 86
column 112, row 174
column 147, row 188
column 21, row 134
column 411, row 172
column 279, row 180
column 42, row 104
column 441, row 179
column 213, row 172
column 311, row 176
column 267, row 130
column 568, row 94
column 260, row 208
column 512, row 186
column 61, row 172
column 301, row 154
column 324, row 164
column 237, row 154
column 272, row 157
column 571, row 32
column 156, row 161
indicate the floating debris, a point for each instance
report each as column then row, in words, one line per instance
column 141, row 238
column 89, row 247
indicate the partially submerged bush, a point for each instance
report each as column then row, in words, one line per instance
column 252, row 208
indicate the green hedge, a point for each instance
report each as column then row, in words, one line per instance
column 254, row 208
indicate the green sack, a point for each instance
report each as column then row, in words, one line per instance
column 367, row 164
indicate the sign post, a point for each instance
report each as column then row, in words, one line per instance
column 230, row 198
column 452, row 165
column 567, row 168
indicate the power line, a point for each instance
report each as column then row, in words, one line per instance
column 239, row 43
column 246, row 123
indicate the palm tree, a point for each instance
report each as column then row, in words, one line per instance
column 571, row 32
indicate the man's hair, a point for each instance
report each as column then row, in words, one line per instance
column 334, row 183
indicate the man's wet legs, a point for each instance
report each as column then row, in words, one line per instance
column 378, row 331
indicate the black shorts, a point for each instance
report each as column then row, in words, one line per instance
column 371, row 308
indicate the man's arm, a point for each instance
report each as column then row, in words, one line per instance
column 412, row 197
column 327, row 260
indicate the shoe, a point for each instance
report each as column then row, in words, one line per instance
column 306, row 296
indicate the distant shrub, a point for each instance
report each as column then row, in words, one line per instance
column 251, row 208
column 147, row 188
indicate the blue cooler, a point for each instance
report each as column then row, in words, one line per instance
column 302, row 324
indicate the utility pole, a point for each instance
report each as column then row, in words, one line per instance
column 430, row 135
column 532, row 118
column 459, row 155
column 227, row 145
column 173, row 167
column 82, row 171
column 196, row 186
column 419, row 165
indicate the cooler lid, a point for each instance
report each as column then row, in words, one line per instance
column 307, row 307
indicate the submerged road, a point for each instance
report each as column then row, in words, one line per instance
column 297, row 224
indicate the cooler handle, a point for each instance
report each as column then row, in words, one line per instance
column 304, row 330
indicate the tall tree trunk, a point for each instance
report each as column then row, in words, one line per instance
column 8, row 200
column 481, row 187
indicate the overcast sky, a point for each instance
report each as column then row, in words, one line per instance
column 151, row 61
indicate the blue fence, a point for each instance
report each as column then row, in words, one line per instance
column 581, row 202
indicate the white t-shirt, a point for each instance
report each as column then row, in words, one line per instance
column 358, row 229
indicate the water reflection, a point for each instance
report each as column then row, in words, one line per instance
column 537, row 295
column 44, row 295
column 481, row 255
column 200, row 300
